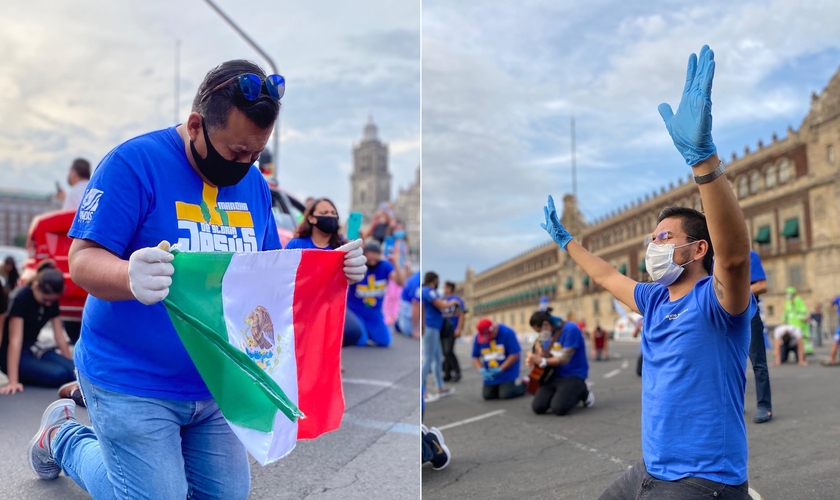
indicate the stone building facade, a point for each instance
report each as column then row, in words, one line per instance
column 370, row 182
column 407, row 209
column 789, row 191
column 18, row 208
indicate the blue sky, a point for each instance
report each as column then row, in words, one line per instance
column 502, row 79
column 76, row 80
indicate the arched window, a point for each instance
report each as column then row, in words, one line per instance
column 755, row 181
column 785, row 170
column 743, row 187
column 770, row 176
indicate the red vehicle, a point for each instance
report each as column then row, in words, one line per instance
column 47, row 239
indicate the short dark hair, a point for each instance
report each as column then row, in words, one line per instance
column 450, row 284
column 693, row 223
column 216, row 107
column 81, row 167
column 429, row 277
column 49, row 278
column 540, row 317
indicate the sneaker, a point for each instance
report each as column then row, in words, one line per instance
column 442, row 454
column 448, row 391
column 430, row 398
column 40, row 448
column 456, row 377
column 762, row 415
column 590, row 400
column 424, row 429
column 71, row 390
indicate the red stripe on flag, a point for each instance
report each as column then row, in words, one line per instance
column 319, row 304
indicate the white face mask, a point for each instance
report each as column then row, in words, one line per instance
column 659, row 260
column 545, row 334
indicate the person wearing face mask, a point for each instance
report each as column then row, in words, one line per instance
column 319, row 228
column 157, row 432
column 365, row 298
column 796, row 314
column 495, row 355
column 31, row 307
column 562, row 351
column 696, row 331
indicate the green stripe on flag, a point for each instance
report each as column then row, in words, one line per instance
column 246, row 395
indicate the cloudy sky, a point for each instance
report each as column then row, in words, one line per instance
column 501, row 80
column 77, row 78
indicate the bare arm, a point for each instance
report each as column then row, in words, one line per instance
column 15, row 346
column 98, row 271
column 620, row 286
column 777, row 350
column 731, row 276
column 477, row 364
column 510, row 360
column 457, row 330
column 759, row 287
column 415, row 317
column 801, row 345
column 60, row 339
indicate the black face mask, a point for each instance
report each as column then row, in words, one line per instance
column 327, row 223
column 216, row 168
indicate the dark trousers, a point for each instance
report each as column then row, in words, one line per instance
column 352, row 329
column 637, row 483
column 561, row 394
column 505, row 390
column 428, row 453
column 758, row 358
column 447, row 342
column 51, row 370
column 786, row 350
column 639, row 365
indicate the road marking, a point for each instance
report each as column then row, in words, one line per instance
column 612, row 373
column 471, row 420
column 583, row 447
column 624, row 364
column 364, row 381
column 381, row 425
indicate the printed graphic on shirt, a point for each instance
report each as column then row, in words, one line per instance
column 493, row 355
column 215, row 227
column 372, row 290
column 556, row 349
column 89, row 204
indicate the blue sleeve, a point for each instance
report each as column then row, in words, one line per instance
column 271, row 237
column 511, row 342
column 707, row 301
column 114, row 206
column 475, row 351
column 641, row 294
column 387, row 267
column 571, row 337
column 416, row 296
column 756, row 271
column 427, row 295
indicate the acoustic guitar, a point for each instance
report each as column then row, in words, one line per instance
column 539, row 376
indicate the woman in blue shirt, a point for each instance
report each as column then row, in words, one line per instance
column 319, row 228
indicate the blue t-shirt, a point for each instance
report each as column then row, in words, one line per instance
column 365, row 297
column 451, row 312
column 143, row 192
column 756, row 270
column 410, row 292
column 570, row 336
column 432, row 317
column 693, row 384
column 836, row 303
column 495, row 352
column 304, row 244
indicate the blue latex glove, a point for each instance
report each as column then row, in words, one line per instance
column 691, row 127
column 489, row 373
column 553, row 226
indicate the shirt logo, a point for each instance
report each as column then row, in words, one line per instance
column 89, row 204
column 672, row 317
column 373, row 290
column 493, row 355
column 215, row 227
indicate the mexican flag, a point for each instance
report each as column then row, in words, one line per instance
column 264, row 330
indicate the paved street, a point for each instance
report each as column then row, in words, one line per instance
column 375, row 454
column 513, row 453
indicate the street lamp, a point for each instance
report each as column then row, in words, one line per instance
column 273, row 69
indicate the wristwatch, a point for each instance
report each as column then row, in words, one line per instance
column 543, row 363
column 714, row 174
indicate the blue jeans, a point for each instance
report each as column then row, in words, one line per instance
column 404, row 323
column 432, row 356
column 158, row 449
column 52, row 370
column 758, row 358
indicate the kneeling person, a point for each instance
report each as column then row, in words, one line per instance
column 496, row 356
column 565, row 351
column 789, row 338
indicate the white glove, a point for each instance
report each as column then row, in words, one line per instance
column 354, row 261
column 149, row 272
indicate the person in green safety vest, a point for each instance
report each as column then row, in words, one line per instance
column 796, row 314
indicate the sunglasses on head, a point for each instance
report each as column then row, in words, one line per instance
column 251, row 86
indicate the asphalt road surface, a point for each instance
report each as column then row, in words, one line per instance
column 374, row 455
column 502, row 450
